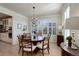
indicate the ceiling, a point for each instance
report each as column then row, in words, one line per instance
column 26, row 9
column 2, row 16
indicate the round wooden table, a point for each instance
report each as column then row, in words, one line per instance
column 37, row 40
column 67, row 51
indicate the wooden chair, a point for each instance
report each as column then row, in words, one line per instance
column 27, row 35
column 20, row 44
column 20, row 37
column 29, row 47
column 44, row 45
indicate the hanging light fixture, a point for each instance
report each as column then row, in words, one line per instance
column 34, row 18
column 34, row 21
column 33, row 12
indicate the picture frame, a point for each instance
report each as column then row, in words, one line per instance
column 19, row 26
column 24, row 27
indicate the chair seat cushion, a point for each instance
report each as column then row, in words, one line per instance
column 29, row 49
column 40, row 46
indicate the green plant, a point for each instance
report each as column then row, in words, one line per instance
column 69, row 38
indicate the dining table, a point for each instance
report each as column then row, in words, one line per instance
column 37, row 40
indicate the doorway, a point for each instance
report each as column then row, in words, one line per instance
column 5, row 28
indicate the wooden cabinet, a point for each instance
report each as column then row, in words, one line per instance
column 60, row 39
column 4, row 37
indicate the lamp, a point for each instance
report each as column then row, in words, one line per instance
column 72, row 23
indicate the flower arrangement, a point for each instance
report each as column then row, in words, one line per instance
column 69, row 38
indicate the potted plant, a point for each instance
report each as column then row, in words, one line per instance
column 69, row 38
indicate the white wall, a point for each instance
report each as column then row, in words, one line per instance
column 16, row 31
column 53, row 18
column 17, row 19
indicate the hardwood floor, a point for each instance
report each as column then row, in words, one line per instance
column 10, row 50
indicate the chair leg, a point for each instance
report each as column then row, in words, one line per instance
column 48, row 51
column 22, row 53
column 42, row 52
column 31, row 53
column 19, row 49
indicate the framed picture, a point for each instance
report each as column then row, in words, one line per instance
column 24, row 27
column 19, row 26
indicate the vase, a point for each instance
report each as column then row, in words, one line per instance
column 69, row 44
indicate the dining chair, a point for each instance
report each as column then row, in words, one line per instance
column 44, row 45
column 20, row 37
column 27, row 35
column 20, row 44
column 28, row 48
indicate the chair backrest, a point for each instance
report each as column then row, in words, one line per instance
column 19, row 39
column 27, row 43
column 46, row 41
column 24, row 35
column 43, row 42
column 27, row 35
column 47, row 38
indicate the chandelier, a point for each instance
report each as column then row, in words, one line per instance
column 33, row 12
column 34, row 21
column 33, row 17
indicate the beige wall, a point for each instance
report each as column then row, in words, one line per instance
column 74, row 10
